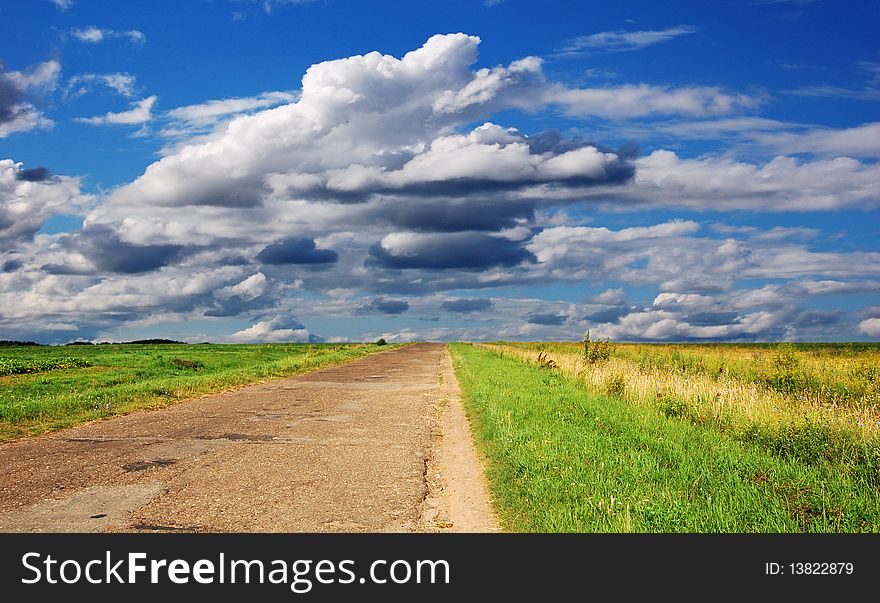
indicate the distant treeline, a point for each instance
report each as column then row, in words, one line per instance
column 137, row 342
column 6, row 343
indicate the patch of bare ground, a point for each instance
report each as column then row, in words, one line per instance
column 458, row 496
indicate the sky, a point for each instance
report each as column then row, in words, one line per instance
column 248, row 171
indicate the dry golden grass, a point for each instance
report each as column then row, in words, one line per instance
column 726, row 400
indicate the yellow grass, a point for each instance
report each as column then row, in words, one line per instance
column 722, row 400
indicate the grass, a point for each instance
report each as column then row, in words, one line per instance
column 731, row 399
column 46, row 388
column 18, row 366
column 566, row 455
column 845, row 374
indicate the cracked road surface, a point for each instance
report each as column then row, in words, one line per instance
column 351, row 448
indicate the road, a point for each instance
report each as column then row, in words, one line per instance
column 379, row 444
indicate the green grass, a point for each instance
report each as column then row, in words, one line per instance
column 564, row 459
column 17, row 366
column 49, row 388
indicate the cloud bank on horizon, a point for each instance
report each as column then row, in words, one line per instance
column 391, row 196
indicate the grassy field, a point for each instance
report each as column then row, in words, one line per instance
column 44, row 388
column 845, row 374
column 657, row 439
column 792, row 394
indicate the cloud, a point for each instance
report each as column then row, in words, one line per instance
column 460, row 250
column 281, row 329
column 871, row 311
column 818, row 318
column 672, row 258
column 616, row 41
column 466, row 306
column 387, row 121
column 268, row 5
column 250, row 288
column 210, row 110
column 712, row 128
column 642, row 100
column 556, row 242
column 24, row 118
column 42, row 77
column 296, row 251
column 89, row 34
column 668, row 256
column 450, row 214
column 795, row 261
column 265, row 6
column 11, row 95
column 776, row 233
column 492, row 157
column 63, row 5
column 671, row 316
column 140, row 112
column 749, row 136
column 769, row 313
column 608, row 315
column 381, row 305
column 187, row 121
column 865, row 94
column 30, row 196
column 661, row 326
column 84, row 303
column 37, row 174
column 10, row 266
column 787, row 294
column 390, row 185
column 489, row 159
column 870, row 327
column 120, row 83
column 104, row 252
column 683, row 317
column 613, row 297
column 859, row 141
column 782, row 184
column 870, row 91
column 254, row 293
column 17, row 112
column 543, row 318
column 94, row 35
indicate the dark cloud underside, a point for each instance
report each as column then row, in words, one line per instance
column 10, row 96
column 465, row 306
column 37, row 174
column 380, row 305
column 457, row 250
column 296, row 251
column 545, row 319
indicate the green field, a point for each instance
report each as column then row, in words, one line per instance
column 50, row 387
column 636, row 443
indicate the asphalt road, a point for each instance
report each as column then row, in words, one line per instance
column 374, row 445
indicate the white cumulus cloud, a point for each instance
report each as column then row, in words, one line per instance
column 870, row 327
column 140, row 112
column 28, row 197
column 277, row 330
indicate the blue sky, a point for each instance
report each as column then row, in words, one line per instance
column 241, row 171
